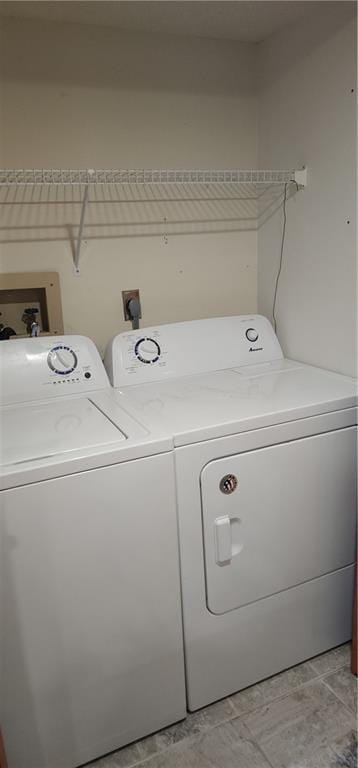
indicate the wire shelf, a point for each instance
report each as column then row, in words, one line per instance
column 179, row 200
column 88, row 177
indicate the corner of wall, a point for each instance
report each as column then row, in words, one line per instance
column 307, row 115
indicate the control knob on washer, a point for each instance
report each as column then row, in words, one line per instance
column 62, row 360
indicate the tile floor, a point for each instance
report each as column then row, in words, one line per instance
column 304, row 717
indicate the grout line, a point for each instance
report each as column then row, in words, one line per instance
column 234, row 716
column 318, row 677
column 260, row 749
column 144, row 760
column 311, row 662
column 189, row 740
column 239, row 716
column 327, row 685
column 328, row 671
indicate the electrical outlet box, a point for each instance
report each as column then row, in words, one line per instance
column 126, row 297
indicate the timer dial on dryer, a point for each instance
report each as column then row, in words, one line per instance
column 62, row 360
column 147, row 350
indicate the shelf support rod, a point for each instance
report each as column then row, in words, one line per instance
column 76, row 259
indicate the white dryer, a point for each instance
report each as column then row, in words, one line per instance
column 90, row 615
column 265, row 454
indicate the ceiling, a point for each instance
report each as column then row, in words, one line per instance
column 244, row 20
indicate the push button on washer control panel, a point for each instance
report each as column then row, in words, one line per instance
column 251, row 334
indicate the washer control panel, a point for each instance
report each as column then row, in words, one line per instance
column 49, row 366
column 186, row 349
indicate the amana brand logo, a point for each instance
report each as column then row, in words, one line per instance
column 255, row 349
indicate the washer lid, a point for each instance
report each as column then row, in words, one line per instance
column 37, row 431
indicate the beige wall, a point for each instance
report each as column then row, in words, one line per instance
column 81, row 96
column 307, row 116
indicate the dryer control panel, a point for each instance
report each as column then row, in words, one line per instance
column 184, row 349
column 49, row 366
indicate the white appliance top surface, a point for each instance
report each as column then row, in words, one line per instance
column 195, row 408
column 41, row 430
column 45, row 439
column 58, row 415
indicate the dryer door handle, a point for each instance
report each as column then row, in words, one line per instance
column 223, row 544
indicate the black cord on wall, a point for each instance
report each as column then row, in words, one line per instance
column 281, row 258
column 281, row 252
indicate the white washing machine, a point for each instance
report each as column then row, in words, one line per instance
column 265, row 454
column 90, row 614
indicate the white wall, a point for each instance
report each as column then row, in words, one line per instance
column 307, row 116
column 2, row 153
column 84, row 96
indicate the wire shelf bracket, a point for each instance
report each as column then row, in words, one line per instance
column 77, row 253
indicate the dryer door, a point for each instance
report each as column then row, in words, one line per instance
column 278, row 516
